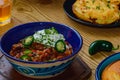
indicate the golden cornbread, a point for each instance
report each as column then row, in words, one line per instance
column 117, row 2
column 97, row 11
column 112, row 71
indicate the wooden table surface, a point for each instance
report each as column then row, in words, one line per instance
column 52, row 10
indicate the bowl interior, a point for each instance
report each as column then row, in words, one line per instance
column 19, row 32
column 105, row 63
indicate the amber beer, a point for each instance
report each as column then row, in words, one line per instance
column 5, row 12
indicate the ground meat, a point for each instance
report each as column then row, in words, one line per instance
column 38, row 52
column 38, row 46
column 16, row 48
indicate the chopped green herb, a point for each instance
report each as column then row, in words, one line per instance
column 47, row 31
column 108, row 5
column 51, row 31
column 108, row 1
column 98, row 7
column 54, row 30
column 93, row 1
column 87, row 1
column 87, row 7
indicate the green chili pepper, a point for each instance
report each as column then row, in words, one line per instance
column 25, row 57
column 27, row 51
column 28, row 41
column 60, row 46
column 101, row 45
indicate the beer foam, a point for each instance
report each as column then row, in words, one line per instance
column 1, row 2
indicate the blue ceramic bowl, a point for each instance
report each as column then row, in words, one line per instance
column 40, row 69
column 105, row 63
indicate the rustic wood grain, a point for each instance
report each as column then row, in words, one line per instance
column 52, row 10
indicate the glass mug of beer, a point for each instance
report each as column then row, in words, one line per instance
column 5, row 12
